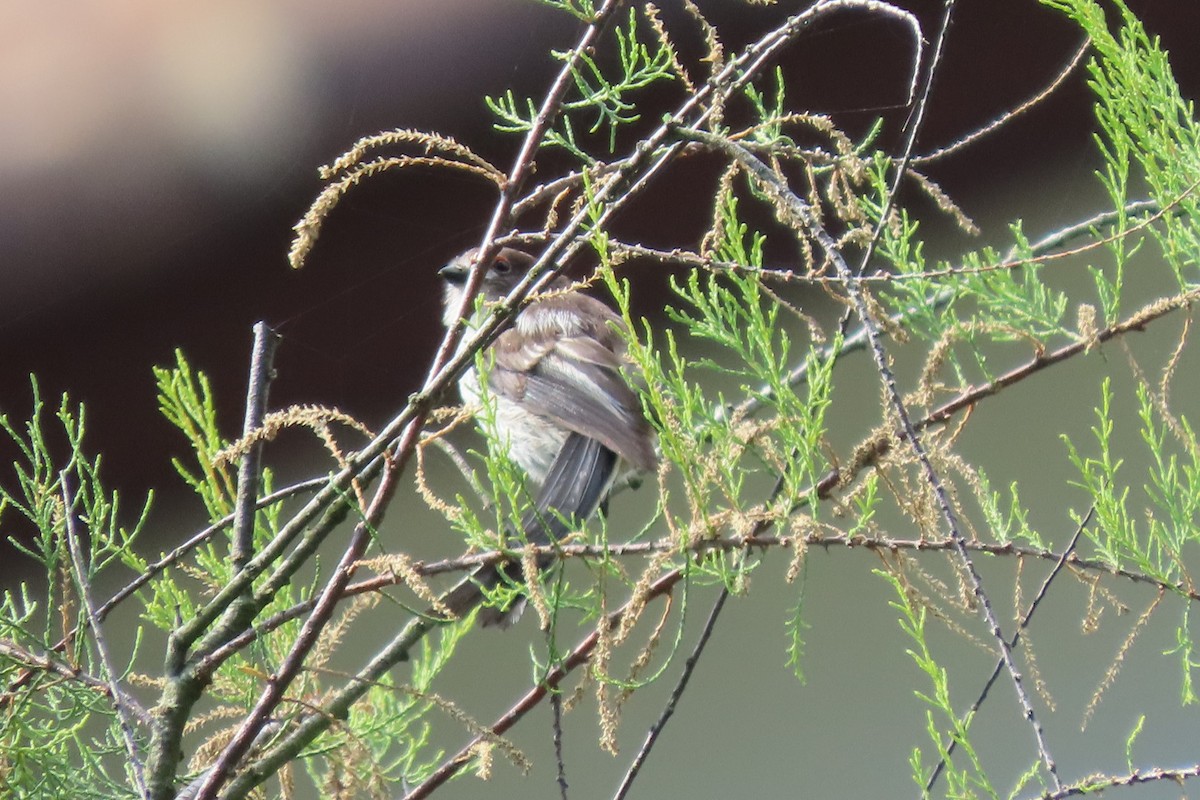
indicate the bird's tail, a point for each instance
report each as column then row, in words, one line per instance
column 578, row 480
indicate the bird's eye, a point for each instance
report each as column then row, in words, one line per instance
column 502, row 266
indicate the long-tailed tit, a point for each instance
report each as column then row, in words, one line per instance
column 567, row 416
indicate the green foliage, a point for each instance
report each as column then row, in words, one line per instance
column 388, row 733
column 1155, row 546
column 1141, row 114
column 582, row 10
column 186, row 400
column 607, row 98
column 60, row 738
column 963, row 780
column 1006, row 521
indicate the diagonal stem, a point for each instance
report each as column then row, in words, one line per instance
column 121, row 702
column 797, row 214
column 952, row 745
column 668, row 711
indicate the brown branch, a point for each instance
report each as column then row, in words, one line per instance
column 470, row 562
column 578, row 656
column 36, row 663
column 1137, row 321
column 1098, row 783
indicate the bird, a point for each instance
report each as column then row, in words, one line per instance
column 570, row 420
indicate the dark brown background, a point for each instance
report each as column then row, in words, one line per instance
column 154, row 160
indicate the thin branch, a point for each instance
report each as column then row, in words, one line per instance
column 577, row 657
column 1039, row 253
column 1067, row 552
column 470, row 562
column 191, row 791
column 119, row 700
column 668, row 711
column 1011, row 114
column 522, row 167
column 912, row 130
column 556, row 707
column 1090, row 787
column 35, row 663
column 200, row 538
column 1136, row 322
column 250, row 467
column 798, row 214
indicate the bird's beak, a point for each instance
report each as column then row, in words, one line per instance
column 456, row 271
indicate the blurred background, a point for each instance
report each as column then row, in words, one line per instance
column 154, row 157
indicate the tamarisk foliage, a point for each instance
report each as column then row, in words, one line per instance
column 233, row 683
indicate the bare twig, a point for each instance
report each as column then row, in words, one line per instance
column 200, row 538
column 1094, row 785
column 556, row 707
column 35, row 662
column 1067, row 552
column 912, row 130
column 250, row 467
column 119, row 699
column 668, row 711
column 1011, row 114
column 1039, row 253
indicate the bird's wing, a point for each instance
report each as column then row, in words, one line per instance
column 562, row 361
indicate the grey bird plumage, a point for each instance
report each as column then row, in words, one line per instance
column 571, row 421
